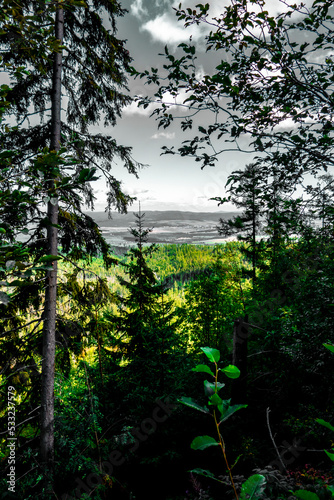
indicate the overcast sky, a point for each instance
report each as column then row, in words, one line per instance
column 169, row 181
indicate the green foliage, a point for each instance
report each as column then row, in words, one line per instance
column 320, row 421
column 254, row 486
column 214, row 299
column 305, row 495
column 202, row 442
column 273, row 92
column 36, row 170
column 145, row 325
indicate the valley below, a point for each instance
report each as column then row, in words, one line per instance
column 167, row 227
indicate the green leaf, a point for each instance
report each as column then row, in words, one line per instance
column 210, row 387
column 305, row 495
column 84, row 175
column 231, row 371
column 330, row 455
column 329, row 346
column 331, row 489
column 203, row 368
column 203, row 442
column 205, row 473
column 192, row 404
column 215, row 400
column 226, row 410
column 212, row 354
column 49, row 258
column 324, row 423
column 252, row 489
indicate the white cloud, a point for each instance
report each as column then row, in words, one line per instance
column 137, row 9
column 165, row 29
column 133, row 109
column 217, row 8
column 165, row 135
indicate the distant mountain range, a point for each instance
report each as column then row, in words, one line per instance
column 169, row 226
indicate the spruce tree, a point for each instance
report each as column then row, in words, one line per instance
column 146, row 323
column 75, row 62
column 247, row 188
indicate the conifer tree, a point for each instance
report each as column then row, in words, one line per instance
column 247, row 188
column 74, row 63
column 146, row 321
column 137, row 306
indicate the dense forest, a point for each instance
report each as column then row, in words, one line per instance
column 172, row 372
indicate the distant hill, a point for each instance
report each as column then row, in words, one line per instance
column 159, row 218
column 169, row 226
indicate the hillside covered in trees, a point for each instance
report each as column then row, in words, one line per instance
column 167, row 372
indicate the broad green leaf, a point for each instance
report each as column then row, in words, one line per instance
column 220, row 385
column 203, row 442
column 84, row 174
column 49, row 258
column 306, row 495
column 192, row 404
column 330, row 455
column 324, row 423
column 212, row 354
column 215, row 400
column 331, row 489
column 226, row 410
column 205, row 473
column 203, row 368
column 210, row 387
column 231, row 371
column 252, row 489
column 329, row 346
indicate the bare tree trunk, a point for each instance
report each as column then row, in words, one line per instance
column 253, row 239
column 50, row 311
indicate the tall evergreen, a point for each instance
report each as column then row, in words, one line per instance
column 145, row 323
column 247, row 188
column 75, row 68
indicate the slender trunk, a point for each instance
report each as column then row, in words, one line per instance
column 48, row 363
column 254, row 238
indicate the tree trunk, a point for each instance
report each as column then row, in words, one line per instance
column 254, row 237
column 50, row 311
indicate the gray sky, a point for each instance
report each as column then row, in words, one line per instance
column 169, row 181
